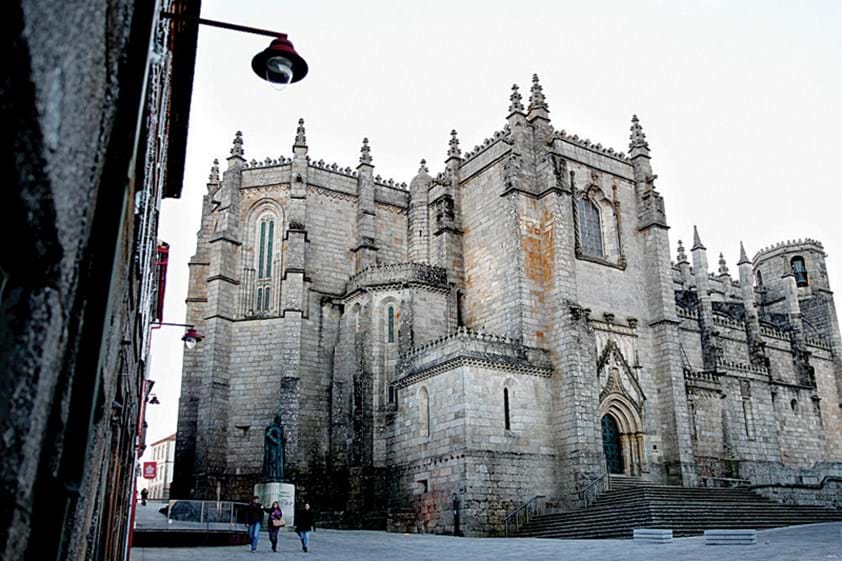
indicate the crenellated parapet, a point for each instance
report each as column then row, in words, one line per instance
column 498, row 136
column 805, row 243
column 398, row 274
column 587, row 144
column 322, row 165
column 467, row 347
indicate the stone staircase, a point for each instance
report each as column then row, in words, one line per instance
column 633, row 503
column 617, row 482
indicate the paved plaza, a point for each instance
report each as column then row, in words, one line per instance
column 817, row 542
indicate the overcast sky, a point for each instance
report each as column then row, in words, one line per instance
column 741, row 103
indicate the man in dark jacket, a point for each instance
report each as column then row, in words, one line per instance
column 254, row 518
column 304, row 524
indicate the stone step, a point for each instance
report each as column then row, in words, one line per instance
column 676, row 524
column 686, row 511
column 679, row 518
column 625, row 481
column 625, row 528
column 679, row 511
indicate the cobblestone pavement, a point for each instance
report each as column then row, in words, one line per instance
column 816, row 542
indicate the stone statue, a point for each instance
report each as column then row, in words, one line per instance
column 273, row 452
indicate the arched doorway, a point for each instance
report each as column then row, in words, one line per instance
column 611, row 444
column 622, row 434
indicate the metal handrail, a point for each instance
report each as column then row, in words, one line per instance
column 516, row 513
column 204, row 513
column 585, row 496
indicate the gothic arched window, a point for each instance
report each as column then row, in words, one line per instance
column 391, row 325
column 590, row 230
column 263, row 284
column 799, row 269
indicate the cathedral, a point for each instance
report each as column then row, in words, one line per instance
column 514, row 324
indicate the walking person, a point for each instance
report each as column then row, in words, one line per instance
column 254, row 518
column 276, row 522
column 304, row 524
column 144, row 494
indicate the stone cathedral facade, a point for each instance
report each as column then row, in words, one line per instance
column 511, row 326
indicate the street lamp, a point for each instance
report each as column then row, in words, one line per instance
column 190, row 337
column 279, row 64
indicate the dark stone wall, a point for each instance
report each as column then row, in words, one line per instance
column 71, row 341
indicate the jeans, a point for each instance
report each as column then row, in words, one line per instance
column 254, row 532
column 273, row 536
column 305, row 538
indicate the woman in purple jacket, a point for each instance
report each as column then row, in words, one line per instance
column 276, row 522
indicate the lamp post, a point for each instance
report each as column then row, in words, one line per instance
column 279, row 64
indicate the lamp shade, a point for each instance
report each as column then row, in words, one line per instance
column 280, row 47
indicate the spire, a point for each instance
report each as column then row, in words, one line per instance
column 214, row 173
column 637, row 140
column 536, row 97
column 454, row 151
column 682, row 256
column 365, row 153
column 538, row 108
column 743, row 256
column 422, row 170
column 723, row 268
column 237, row 148
column 300, row 135
column 515, row 104
column 697, row 242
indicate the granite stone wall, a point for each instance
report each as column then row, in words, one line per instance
column 510, row 340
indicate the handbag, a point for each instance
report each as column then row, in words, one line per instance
column 279, row 522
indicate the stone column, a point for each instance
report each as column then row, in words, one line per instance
column 757, row 347
column 641, row 453
column 710, row 349
column 801, row 356
column 418, row 234
column 366, row 246
column 294, row 293
column 446, row 248
column 677, row 456
column 222, row 290
column 628, row 455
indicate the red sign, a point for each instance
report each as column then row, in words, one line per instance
column 150, row 470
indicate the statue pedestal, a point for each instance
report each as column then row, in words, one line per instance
column 284, row 493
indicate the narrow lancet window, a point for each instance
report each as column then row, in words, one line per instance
column 264, row 250
column 262, row 246
column 506, row 409
column 424, row 406
column 269, row 248
column 391, row 327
